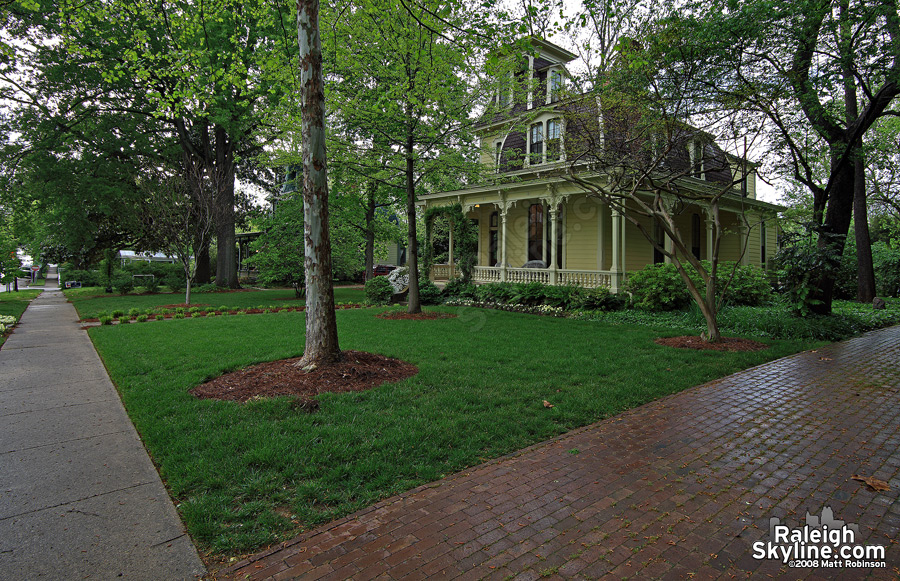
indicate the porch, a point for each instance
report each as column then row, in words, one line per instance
column 552, row 276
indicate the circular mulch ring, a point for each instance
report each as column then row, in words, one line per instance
column 358, row 371
column 423, row 316
column 725, row 344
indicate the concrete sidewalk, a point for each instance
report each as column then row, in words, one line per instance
column 79, row 496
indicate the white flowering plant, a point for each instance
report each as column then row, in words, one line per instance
column 399, row 279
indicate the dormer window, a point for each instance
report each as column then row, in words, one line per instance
column 536, row 141
column 696, row 155
column 554, row 132
column 555, row 87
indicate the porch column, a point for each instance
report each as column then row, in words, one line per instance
column 450, row 256
column 710, row 232
column 554, row 237
column 601, row 244
column 616, row 237
column 504, row 208
column 745, row 243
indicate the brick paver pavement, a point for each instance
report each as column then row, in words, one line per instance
column 678, row 488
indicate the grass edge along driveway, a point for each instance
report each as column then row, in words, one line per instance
column 247, row 475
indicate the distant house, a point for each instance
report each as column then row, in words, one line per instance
column 532, row 215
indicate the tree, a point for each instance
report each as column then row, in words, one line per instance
column 177, row 215
column 401, row 80
column 635, row 159
column 278, row 252
column 818, row 68
column 321, row 325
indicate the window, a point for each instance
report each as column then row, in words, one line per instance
column 537, row 144
column 493, row 239
column 553, row 143
column 744, row 184
column 556, row 85
column 695, row 235
column 660, row 238
column 762, row 244
column 696, row 155
column 536, row 232
column 498, row 155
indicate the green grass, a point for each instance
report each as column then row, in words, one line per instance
column 38, row 282
column 92, row 301
column 15, row 303
column 236, row 470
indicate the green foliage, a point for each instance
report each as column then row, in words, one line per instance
column 798, row 262
column 501, row 292
column 465, row 239
column 124, row 319
column 429, row 293
column 123, row 284
column 456, row 288
column 600, row 298
column 176, row 281
column 279, row 250
column 106, row 320
column 379, row 291
column 141, row 318
column 658, row 287
column 748, row 286
column 134, row 312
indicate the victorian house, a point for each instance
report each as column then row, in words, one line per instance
column 535, row 224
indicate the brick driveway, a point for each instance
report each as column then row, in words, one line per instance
column 678, row 488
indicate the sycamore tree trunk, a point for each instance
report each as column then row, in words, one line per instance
column 321, row 327
column 226, row 261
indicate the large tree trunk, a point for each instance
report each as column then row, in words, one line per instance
column 865, row 268
column 413, row 252
column 203, row 271
column 834, row 230
column 226, row 261
column 370, row 230
column 321, row 326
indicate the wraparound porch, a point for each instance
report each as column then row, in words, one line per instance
column 553, row 276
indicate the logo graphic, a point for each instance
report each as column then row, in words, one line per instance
column 822, row 541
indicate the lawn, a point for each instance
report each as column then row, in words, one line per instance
column 92, row 301
column 247, row 475
column 15, row 303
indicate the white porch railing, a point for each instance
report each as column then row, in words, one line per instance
column 541, row 275
column 442, row 272
column 585, row 278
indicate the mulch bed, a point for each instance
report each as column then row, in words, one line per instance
column 358, row 371
column 725, row 344
column 423, row 316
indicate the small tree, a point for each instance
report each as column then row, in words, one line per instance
column 178, row 216
column 640, row 161
column 279, row 250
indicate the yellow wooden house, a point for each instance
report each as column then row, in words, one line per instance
column 535, row 225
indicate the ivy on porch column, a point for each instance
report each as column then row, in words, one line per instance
column 504, row 206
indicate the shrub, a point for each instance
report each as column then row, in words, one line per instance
column 456, row 288
column 658, row 287
column 501, row 292
column 151, row 285
column 175, row 281
column 798, row 261
column 124, row 319
column 106, row 320
column 195, row 315
column 134, row 312
column 379, row 291
column 193, row 310
column 600, row 298
column 429, row 293
column 118, row 313
column 160, row 317
column 123, row 284
column 207, row 288
column 141, row 319
column 178, row 315
column 749, row 286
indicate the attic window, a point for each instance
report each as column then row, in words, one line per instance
column 498, row 154
column 556, row 85
column 696, row 155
